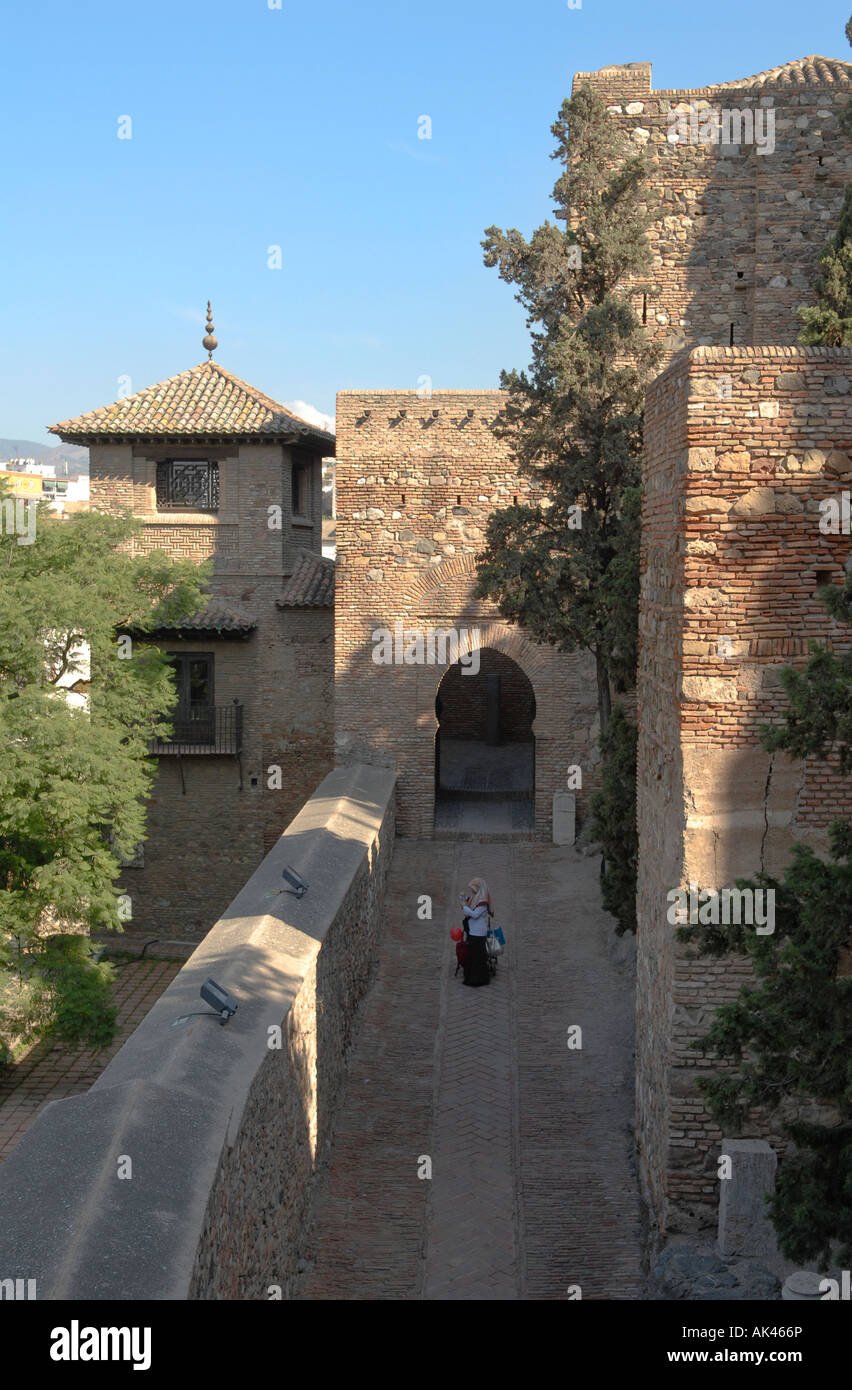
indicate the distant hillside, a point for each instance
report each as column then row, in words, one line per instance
column 74, row 455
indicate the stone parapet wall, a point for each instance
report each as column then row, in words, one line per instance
column 628, row 81
column 223, row 1129
column 741, row 447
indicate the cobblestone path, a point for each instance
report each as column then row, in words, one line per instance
column 532, row 1191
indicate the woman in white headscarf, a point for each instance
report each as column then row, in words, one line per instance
column 477, row 909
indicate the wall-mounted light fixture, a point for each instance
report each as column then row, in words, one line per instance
column 224, row 1004
column 297, row 883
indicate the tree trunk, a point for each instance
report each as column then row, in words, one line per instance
column 604, row 694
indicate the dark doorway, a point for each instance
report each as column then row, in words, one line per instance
column 194, row 718
column 485, row 748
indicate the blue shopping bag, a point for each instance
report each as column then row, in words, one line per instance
column 498, row 932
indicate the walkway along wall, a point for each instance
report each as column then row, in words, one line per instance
column 741, row 446
column 186, row 1171
column 416, row 479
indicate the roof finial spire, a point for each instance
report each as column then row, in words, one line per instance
column 210, row 343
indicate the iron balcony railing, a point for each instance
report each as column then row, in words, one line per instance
column 204, row 729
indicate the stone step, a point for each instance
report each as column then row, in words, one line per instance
column 494, row 837
column 447, row 793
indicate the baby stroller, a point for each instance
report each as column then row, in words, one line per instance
column 494, row 943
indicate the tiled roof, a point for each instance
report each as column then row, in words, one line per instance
column 206, row 400
column 215, row 616
column 311, row 585
column 812, row 71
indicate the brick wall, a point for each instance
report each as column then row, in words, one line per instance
column 211, row 819
column 416, row 480
column 464, row 701
column 741, row 446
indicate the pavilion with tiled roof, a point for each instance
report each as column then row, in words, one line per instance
column 218, row 473
column 204, row 404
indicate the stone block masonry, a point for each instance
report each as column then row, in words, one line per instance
column 741, row 447
column 224, row 1128
column 739, row 231
column 416, row 479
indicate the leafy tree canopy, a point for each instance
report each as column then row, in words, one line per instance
column 74, row 777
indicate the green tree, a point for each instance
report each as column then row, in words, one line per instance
column 819, row 717
column 614, row 820
column 829, row 321
column 565, row 564
column 788, row 1040
column 74, row 778
column 788, row 1036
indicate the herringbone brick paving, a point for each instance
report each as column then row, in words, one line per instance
column 532, row 1190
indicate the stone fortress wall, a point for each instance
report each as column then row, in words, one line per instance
column 740, row 231
column 741, row 445
column 739, row 234
column 416, row 480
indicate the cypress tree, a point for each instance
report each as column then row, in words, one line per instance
column 565, row 564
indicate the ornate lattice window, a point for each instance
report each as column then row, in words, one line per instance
column 188, row 483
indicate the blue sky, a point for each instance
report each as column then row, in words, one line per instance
column 298, row 127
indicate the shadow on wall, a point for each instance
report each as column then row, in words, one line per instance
column 448, row 726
